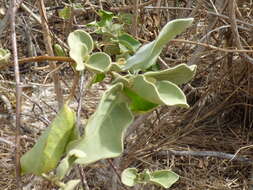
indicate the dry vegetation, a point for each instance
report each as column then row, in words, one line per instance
column 219, row 119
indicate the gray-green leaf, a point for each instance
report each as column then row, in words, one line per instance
column 50, row 147
column 105, row 129
column 179, row 74
column 148, row 54
column 99, row 62
column 158, row 92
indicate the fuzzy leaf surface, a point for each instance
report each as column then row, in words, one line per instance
column 51, row 145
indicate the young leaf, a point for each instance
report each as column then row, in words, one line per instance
column 129, row 41
column 158, row 92
column 148, row 54
column 129, row 177
column 104, row 132
column 164, row 178
column 59, row 51
column 78, row 53
column 4, row 56
column 99, row 62
column 65, row 13
column 179, row 74
column 48, row 150
column 80, row 36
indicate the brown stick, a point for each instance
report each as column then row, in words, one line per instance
column 235, row 32
column 18, row 95
column 48, row 44
column 126, row 8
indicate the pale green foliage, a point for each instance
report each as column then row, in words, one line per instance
column 163, row 178
column 147, row 55
column 105, row 129
column 4, row 55
column 158, row 92
column 99, row 62
column 47, row 152
column 179, row 74
column 129, row 94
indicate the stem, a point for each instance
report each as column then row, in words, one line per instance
column 48, row 44
column 18, row 95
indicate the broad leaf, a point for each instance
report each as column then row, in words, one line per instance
column 138, row 104
column 158, row 92
column 104, row 132
column 78, row 53
column 129, row 41
column 179, row 74
column 164, row 178
column 50, row 147
column 99, row 62
column 4, row 55
column 148, row 54
column 80, row 36
column 129, row 177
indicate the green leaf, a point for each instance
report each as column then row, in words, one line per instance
column 59, row 51
column 104, row 132
column 158, row 92
column 4, row 56
column 65, row 13
column 105, row 16
column 148, row 54
column 51, row 145
column 129, row 42
column 99, row 62
column 179, row 74
column 98, row 78
column 78, row 53
column 164, row 178
column 138, row 104
column 80, row 37
column 112, row 49
column 129, row 177
column 71, row 184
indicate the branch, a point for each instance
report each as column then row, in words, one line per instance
column 18, row 94
column 48, row 44
column 231, row 157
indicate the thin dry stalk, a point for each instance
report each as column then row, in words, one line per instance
column 234, row 27
column 48, row 44
column 18, row 95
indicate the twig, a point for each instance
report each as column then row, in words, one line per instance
column 18, row 94
column 135, row 19
column 205, row 154
column 7, row 142
column 126, row 8
column 83, row 178
column 4, row 22
column 116, row 172
column 48, row 44
column 235, row 32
